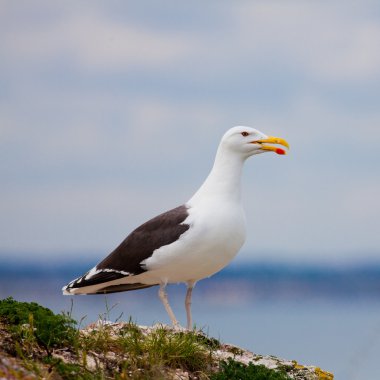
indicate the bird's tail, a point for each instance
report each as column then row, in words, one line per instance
column 101, row 282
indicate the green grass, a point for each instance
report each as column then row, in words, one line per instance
column 233, row 370
column 165, row 348
column 34, row 324
column 117, row 352
column 150, row 355
column 135, row 354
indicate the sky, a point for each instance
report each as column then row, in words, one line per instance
column 111, row 112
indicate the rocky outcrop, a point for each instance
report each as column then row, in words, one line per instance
column 223, row 351
column 98, row 352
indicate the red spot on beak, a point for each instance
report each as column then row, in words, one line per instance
column 280, row 151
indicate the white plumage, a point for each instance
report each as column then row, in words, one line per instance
column 190, row 242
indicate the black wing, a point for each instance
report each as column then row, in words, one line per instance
column 126, row 259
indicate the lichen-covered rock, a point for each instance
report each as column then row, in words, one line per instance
column 291, row 367
column 294, row 370
column 125, row 350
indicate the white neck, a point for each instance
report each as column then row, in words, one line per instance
column 224, row 180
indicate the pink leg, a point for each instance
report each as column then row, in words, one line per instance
column 164, row 299
column 190, row 286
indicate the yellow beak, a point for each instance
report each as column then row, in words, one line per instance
column 273, row 140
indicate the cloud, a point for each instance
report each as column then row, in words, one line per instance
column 326, row 41
column 86, row 37
column 110, row 113
column 320, row 40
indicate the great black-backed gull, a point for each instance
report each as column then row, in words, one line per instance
column 189, row 242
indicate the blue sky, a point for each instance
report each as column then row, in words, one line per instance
column 111, row 112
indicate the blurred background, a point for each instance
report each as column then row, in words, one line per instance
column 111, row 112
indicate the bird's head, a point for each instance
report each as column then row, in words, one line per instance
column 249, row 141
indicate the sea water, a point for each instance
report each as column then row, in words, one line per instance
column 338, row 334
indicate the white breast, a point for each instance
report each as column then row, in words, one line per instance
column 216, row 233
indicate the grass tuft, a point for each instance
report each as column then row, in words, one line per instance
column 165, row 348
column 34, row 324
column 233, row 370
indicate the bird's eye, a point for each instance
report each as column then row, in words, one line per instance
column 245, row 134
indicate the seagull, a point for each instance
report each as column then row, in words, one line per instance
column 190, row 242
